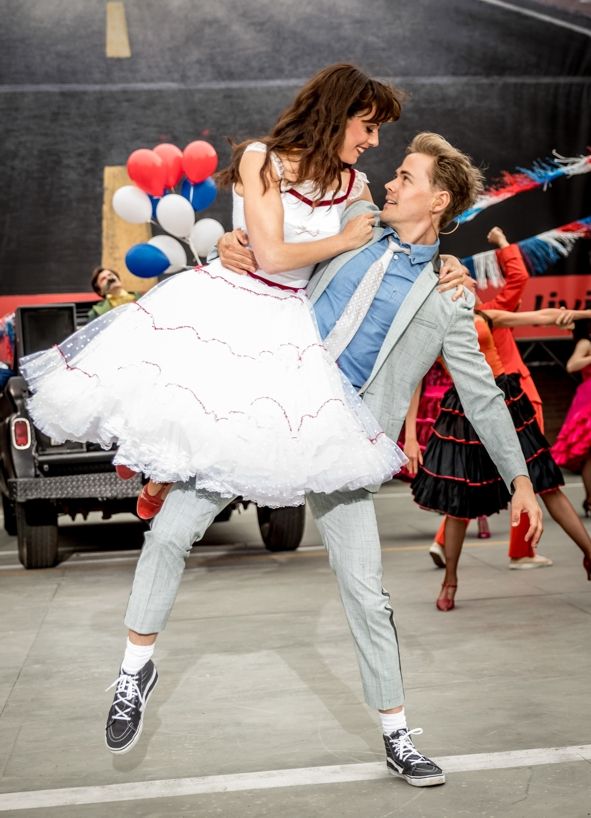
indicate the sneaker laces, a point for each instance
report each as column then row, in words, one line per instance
column 125, row 694
column 404, row 747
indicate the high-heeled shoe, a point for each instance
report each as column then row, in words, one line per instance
column 587, row 567
column 587, row 506
column 124, row 472
column 483, row 529
column 148, row 505
column 445, row 602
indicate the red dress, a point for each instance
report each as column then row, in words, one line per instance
column 573, row 444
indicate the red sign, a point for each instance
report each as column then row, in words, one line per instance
column 572, row 292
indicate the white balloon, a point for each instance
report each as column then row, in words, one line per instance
column 175, row 214
column 204, row 235
column 132, row 204
column 173, row 250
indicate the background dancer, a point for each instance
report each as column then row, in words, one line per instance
column 508, row 298
column 572, row 448
column 459, row 479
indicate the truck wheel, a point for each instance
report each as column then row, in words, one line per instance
column 9, row 516
column 36, row 531
column 281, row 528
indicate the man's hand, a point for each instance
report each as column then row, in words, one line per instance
column 235, row 253
column 452, row 276
column 415, row 456
column 524, row 502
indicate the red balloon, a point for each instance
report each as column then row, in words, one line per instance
column 173, row 162
column 148, row 171
column 199, row 161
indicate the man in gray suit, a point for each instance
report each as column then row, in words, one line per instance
column 385, row 335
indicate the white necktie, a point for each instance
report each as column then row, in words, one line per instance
column 340, row 336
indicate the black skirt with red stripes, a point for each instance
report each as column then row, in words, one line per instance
column 459, row 478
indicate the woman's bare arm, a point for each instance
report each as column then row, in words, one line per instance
column 548, row 316
column 263, row 211
column 581, row 357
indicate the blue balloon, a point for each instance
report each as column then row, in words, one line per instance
column 154, row 200
column 146, row 261
column 200, row 195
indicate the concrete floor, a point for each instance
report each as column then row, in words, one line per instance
column 257, row 674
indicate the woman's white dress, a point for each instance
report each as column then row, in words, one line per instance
column 221, row 378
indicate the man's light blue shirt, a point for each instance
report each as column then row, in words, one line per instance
column 358, row 358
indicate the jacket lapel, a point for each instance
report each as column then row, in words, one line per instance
column 327, row 271
column 419, row 291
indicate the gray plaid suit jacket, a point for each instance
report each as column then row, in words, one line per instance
column 429, row 324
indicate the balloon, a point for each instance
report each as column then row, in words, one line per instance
column 154, row 201
column 147, row 170
column 175, row 214
column 146, row 261
column 204, row 235
column 173, row 162
column 200, row 195
column 199, row 160
column 132, row 204
column 173, row 250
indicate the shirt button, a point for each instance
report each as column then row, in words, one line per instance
column 395, row 258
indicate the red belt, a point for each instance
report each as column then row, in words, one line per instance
column 276, row 284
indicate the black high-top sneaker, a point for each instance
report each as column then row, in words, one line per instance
column 403, row 759
column 126, row 716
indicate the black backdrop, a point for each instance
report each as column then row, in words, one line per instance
column 505, row 87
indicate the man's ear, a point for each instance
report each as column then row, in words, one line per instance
column 441, row 200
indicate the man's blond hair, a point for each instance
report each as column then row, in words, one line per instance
column 452, row 171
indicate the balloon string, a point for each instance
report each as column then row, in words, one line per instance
column 186, row 241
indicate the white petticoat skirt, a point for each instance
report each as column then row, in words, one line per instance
column 217, row 377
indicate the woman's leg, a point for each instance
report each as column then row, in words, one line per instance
column 455, row 533
column 586, row 475
column 562, row 511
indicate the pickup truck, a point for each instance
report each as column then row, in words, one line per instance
column 41, row 479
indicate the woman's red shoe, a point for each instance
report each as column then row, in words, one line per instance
column 587, row 567
column 148, row 505
column 483, row 529
column 445, row 601
column 124, row 472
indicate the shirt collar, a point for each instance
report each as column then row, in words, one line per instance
column 418, row 253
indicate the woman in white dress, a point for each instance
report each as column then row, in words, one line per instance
column 222, row 378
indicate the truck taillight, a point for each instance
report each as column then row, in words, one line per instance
column 21, row 433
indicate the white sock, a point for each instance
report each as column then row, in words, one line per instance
column 136, row 657
column 391, row 722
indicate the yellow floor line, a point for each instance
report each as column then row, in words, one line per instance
column 282, row 556
column 117, row 38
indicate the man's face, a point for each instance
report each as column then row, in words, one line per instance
column 410, row 195
column 361, row 133
column 106, row 279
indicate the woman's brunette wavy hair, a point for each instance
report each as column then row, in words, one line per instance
column 313, row 126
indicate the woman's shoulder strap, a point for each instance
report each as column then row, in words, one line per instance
column 260, row 147
column 358, row 182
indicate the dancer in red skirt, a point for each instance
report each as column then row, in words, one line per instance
column 508, row 298
column 459, row 479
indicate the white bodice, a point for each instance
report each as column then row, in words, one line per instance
column 301, row 221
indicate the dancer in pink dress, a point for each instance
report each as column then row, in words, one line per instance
column 572, row 448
